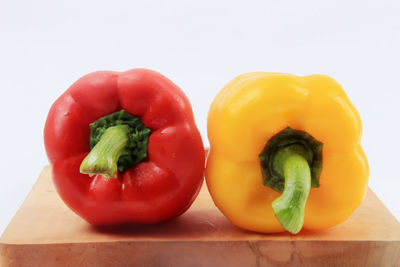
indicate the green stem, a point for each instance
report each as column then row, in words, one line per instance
column 291, row 163
column 104, row 156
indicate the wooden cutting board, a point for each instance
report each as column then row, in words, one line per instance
column 44, row 232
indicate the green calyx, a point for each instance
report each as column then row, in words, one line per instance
column 287, row 137
column 291, row 163
column 117, row 142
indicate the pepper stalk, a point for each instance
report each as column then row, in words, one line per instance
column 291, row 163
column 118, row 141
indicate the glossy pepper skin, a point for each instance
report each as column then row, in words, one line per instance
column 159, row 188
column 254, row 107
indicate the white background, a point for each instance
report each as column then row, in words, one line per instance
column 201, row 45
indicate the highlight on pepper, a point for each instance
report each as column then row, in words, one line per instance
column 285, row 153
column 124, row 147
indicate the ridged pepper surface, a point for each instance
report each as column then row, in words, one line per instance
column 124, row 148
column 285, row 153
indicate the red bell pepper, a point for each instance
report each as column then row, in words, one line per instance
column 138, row 122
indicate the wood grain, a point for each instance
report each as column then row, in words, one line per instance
column 44, row 232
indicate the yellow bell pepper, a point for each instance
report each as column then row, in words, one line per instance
column 285, row 153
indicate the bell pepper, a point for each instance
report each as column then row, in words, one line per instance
column 285, row 153
column 124, row 148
